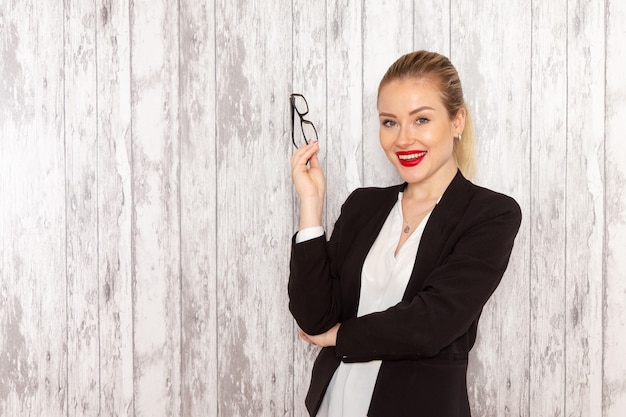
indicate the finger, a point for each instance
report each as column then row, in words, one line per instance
column 304, row 154
column 307, row 152
column 314, row 161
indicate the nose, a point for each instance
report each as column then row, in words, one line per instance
column 405, row 136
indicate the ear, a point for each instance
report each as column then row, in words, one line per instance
column 458, row 122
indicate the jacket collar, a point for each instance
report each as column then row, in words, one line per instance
column 444, row 218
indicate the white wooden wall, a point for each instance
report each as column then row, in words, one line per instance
column 146, row 207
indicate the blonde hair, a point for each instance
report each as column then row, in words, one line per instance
column 437, row 70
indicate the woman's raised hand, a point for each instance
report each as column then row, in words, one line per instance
column 309, row 183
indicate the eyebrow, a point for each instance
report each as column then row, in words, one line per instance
column 419, row 109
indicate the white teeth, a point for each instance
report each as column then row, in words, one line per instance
column 411, row 156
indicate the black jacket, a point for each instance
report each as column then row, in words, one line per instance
column 424, row 340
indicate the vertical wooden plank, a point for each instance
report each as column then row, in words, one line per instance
column 614, row 320
column 490, row 41
column 309, row 69
column 115, row 207
column 382, row 45
column 254, row 209
column 431, row 26
column 156, row 218
column 309, row 61
column 198, row 209
column 547, row 214
column 33, row 363
column 344, row 66
column 81, row 209
column 585, row 208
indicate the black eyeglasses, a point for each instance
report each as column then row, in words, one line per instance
column 300, row 107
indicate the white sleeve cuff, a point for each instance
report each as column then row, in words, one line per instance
column 309, row 233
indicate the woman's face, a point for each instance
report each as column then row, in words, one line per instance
column 416, row 132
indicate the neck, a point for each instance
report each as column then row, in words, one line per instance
column 430, row 189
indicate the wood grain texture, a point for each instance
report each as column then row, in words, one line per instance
column 198, row 214
column 613, row 384
column 146, row 207
column 156, row 217
column 482, row 37
column 585, row 208
column 81, row 206
column 431, row 26
column 548, row 206
column 115, row 208
column 33, row 315
column 254, row 206
column 344, row 68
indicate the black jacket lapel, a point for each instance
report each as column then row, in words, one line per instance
column 442, row 221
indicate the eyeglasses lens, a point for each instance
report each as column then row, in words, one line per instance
column 300, row 104
column 309, row 132
column 303, row 130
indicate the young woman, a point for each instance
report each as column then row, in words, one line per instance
column 394, row 297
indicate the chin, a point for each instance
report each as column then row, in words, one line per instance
column 411, row 179
column 412, row 174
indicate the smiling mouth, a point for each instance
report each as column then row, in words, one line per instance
column 411, row 158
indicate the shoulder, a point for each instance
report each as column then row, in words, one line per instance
column 363, row 205
column 368, row 193
column 372, row 198
column 463, row 196
column 487, row 197
column 487, row 204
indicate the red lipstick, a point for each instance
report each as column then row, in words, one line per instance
column 410, row 158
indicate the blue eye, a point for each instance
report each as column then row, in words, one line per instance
column 421, row 121
column 389, row 123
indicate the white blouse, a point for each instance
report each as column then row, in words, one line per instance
column 383, row 281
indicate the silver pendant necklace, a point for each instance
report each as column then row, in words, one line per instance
column 407, row 227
